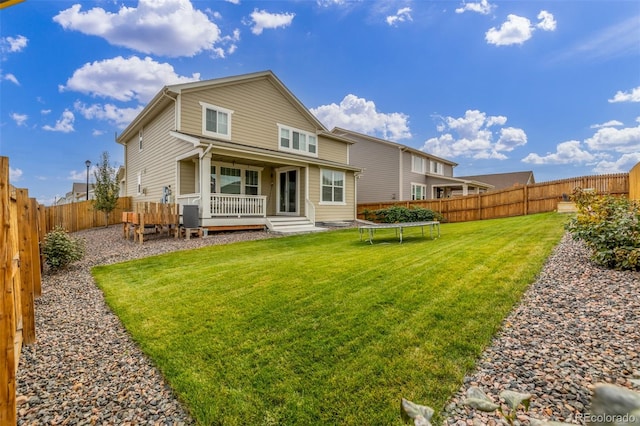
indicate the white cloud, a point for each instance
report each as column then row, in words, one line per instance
column 547, row 21
column 12, row 78
column 45, row 111
column 632, row 96
column 621, row 165
column 402, row 15
column 13, row 44
column 569, row 152
column 161, row 27
column 124, row 79
column 511, row 138
column 64, row 124
column 625, row 140
column 264, row 20
column 610, row 123
column 233, row 1
column 14, row 174
column 119, row 117
column 328, row 3
column 20, row 119
column 483, row 7
column 361, row 115
column 517, row 29
column 97, row 132
column 598, row 150
column 474, row 137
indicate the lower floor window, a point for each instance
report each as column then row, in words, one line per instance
column 332, row 186
column 418, row 192
column 233, row 180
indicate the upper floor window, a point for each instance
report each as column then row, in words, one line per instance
column 140, row 140
column 216, row 121
column 418, row 164
column 437, row 168
column 297, row 141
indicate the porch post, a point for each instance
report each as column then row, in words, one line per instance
column 205, row 186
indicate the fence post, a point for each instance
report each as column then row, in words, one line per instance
column 7, row 312
column 26, row 267
column 525, row 201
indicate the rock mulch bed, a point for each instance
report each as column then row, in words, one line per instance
column 576, row 326
column 84, row 368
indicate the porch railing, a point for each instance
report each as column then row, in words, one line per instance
column 238, row 205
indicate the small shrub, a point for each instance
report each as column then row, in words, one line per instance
column 610, row 226
column 59, row 249
column 400, row 214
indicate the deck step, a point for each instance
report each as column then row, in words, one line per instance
column 291, row 225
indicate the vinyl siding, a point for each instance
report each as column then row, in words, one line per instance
column 258, row 107
column 157, row 160
column 328, row 213
column 379, row 179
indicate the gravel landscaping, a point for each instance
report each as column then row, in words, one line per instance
column 577, row 325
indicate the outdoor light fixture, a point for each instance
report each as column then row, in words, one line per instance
column 88, row 164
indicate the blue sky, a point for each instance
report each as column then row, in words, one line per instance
column 496, row 86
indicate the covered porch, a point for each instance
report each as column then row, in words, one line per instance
column 246, row 192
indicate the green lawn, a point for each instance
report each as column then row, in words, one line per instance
column 325, row 329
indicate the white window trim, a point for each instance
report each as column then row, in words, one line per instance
column 242, row 168
column 291, row 149
column 423, row 191
column 439, row 168
column 344, row 189
column 206, row 106
column 139, row 184
column 424, row 164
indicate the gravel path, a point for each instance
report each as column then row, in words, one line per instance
column 576, row 326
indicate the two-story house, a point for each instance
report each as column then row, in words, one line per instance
column 244, row 150
column 392, row 171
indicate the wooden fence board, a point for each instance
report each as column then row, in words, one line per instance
column 8, row 358
column 27, row 278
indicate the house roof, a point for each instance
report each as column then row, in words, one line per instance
column 171, row 92
column 504, row 180
column 346, row 133
column 197, row 140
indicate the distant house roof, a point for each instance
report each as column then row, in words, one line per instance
column 504, row 180
column 346, row 133
column 81, row 188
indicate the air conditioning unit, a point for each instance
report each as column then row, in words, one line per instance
column 190, row 216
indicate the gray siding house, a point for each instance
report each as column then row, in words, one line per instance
column 243, row 149
column 396, row 172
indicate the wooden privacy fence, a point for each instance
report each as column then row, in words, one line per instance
column 75, row 217
column 634, row 182
column 20, row 267
column 516, row 201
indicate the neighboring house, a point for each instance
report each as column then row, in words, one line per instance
column 243, row 149
column 78, row 193
column 505, row 180
column 392, row 171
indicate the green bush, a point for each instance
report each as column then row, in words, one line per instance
column 610, row 226
column 59, row 249
column 400, row 214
